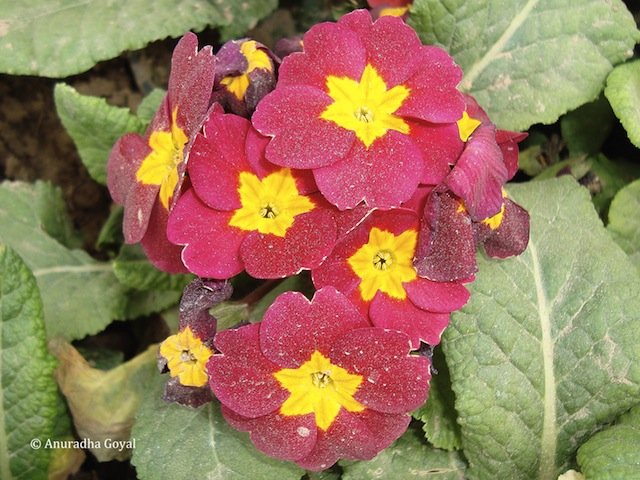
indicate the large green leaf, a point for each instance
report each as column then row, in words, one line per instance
column 28, row 395
column 624, row 221
column 529, row 61
column 176, row 443
column 546, row 351
column 409, row 457
column 623, row 92
column 94, row 127
column 80, row 295
column 613, row 453
column 57, row 38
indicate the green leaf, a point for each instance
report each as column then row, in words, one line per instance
column 81, row 296
column 529, row 61
column 408, row 457
column 28, row 394
column 613, row 453
column 94, row 126
column 624, row 222
column 134, row 270
column 64, row 37
column 150, row 104
column 176, row 443
column 585, row 129
column 438, row 414
column 546, row 351
column 623, row 91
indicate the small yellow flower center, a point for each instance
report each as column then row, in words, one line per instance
column 256, row 58
column 160, row 167
column 186, row 358
column 494, row 222
column 269, row 205
column 319, row 387
column 384, row 263
column 393, row 11
column 366, row 107
column 466, row 126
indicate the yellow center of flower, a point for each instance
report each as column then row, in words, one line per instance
column 317, row 386
column 384, row 263
column 393, row 11
column 494, row 222
column 256, row 58
column 160, row 167
column 365, row 107
column 466, row 126
column 269, row 205
column 186, row 358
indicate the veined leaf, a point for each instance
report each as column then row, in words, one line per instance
column 623, row 92
column 529, row 61
column 545, row 352
column 57, row 38
column 181, row 443
column 28, row 394
column 624, row 222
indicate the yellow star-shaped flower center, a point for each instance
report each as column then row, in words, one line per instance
column 160, row 167
column 384, row 263
column 319, row 387
column 256, row 58
column 466, row 126
column 269, row 205
column 186, row 358
column 365, row 107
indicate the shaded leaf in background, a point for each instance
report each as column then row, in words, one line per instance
column 529, row 61
column 624, row 221
column 149, row 105
column 94, row 126
column 28, row 394
column 438, row 414
column 623, row 92
column 103, row 403
column 134, row 270
column 585, row 129
column 613, row 453
column 64, row 37
column 81, row 296
column 545, row 352
column 409, row 457
column 181, row 443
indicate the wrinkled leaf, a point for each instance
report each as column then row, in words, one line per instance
column 63, row 37
column 28, row 394
column 529, row 61
column 408, row 457
column 80, row 295
column 586, row 128
column 613, row 453
column 94, row 126
column 103, row 403
column 438, row 414
column 623, row 91
column 176, row 443
column 545, row 352
column 64, row 461
column 624, row 221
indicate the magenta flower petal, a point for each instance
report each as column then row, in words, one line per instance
column 290, row 115
column 440, row 146
column 367, row 175
column 295, row 326
column 441, row 297
column 420, row 325
column 366, row 351
column 211, row 249
column 286, row 438
column 163, row 254
column 241, row 377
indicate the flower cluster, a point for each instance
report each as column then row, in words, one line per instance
column 352, row 155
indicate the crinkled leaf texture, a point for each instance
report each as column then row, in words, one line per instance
column 624, row 221
column 64, row 37
column 181, row 443
column 28, row 394
column 409, row 457
column 623, row 92
column 529, row 61
column 546, row 350
column 134, row 270
column 94, row 126
column 81, row 296
column 613, row 453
